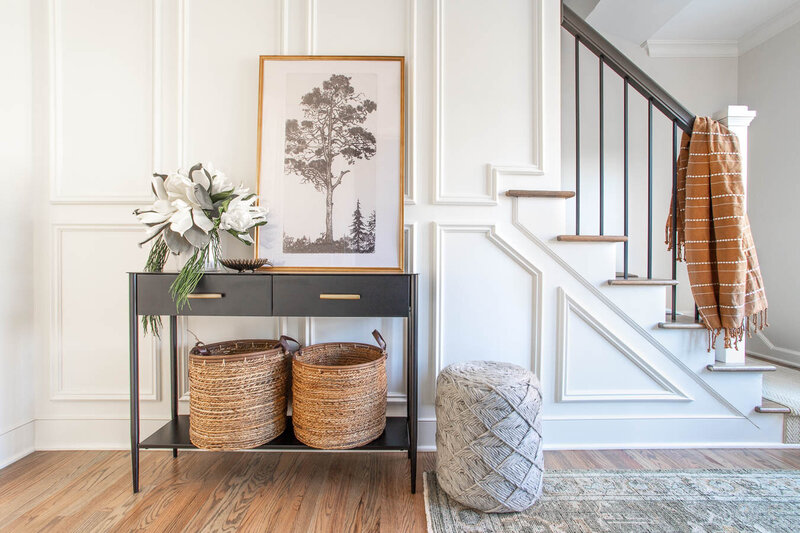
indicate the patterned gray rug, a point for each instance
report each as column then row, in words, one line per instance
column 627, row 501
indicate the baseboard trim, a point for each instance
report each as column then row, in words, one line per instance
column 114, row 434
column 16, row 443
column 773, row 359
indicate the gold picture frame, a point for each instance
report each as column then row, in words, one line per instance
column 260, row 247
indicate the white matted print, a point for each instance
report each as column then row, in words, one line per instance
column 331, row 156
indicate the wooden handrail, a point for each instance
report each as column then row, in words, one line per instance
column 623, row 66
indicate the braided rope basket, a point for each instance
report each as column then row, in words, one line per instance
column 489, row 435
column 238, row 391
column 339, row 394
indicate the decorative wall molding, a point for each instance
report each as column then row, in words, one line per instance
column 311, row 27
column 411, row 77
column 57, row 389
column 183, row 77
column 488, row 230
column 55, row 119
column 283, row 45
column 410, row 244
column 619, row 312
column 769, row 29
column 773, row 353
column 440, row 196
column 775, row 348
column 659, row 48
column 566, row 306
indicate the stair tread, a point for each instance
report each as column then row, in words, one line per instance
column 642, row 281
column 682, row 322
column 739, row 367
column 524, row 193
column 768, row 406
column 592, row 238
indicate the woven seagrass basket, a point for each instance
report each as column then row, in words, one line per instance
column 339, row 394
column 237, row 393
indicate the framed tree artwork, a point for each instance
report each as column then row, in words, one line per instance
column 331, row 161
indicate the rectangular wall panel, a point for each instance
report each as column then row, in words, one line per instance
column 103, row 114
column 219, row 96
column 89, row 341
column 487, row 299
column 361, row 27
column 486, row 93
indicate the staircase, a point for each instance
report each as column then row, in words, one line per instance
column 597, row 293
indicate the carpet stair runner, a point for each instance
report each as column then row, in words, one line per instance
column 783, row 387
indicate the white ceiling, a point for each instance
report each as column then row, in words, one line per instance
column 742, row 24
column 720, row 20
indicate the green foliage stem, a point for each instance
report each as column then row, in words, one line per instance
column 155, row 263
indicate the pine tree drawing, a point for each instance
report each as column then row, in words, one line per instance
column 371, row 232
column 358, row 231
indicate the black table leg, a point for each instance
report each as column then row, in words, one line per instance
column 173, row 370
column 134, row 341
column 412, row 378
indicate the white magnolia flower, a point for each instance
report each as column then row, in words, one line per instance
column 220, row 183
column 183, row 209
column 242, row 215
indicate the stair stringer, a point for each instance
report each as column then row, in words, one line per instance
column 708, row 417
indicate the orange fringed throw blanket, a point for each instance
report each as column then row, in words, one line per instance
column 713, row 234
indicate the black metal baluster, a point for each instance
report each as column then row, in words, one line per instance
column 650, row 189
column 602, row 150
column 577, row 138
column 625, row 177
column 674, row 311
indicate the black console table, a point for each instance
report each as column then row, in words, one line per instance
column 275, row 294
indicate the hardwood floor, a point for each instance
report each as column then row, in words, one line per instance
column 282, row 492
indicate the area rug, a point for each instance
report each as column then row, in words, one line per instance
column 633, row 501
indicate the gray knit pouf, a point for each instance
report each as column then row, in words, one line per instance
column 489, row 436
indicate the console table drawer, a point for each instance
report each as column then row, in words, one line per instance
column 215, row 295
column 333, row 295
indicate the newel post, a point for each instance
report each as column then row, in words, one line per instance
column 737, row 118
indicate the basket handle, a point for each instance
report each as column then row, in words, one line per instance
column 284, row 342
column 200, row 346
column 379, row 339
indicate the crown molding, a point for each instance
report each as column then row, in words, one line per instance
column 660, row 48
column 769, row 29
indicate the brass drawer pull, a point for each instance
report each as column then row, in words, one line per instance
column 339, row 296
column 205, row 296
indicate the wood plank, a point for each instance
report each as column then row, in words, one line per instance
column 642, row 281
column 203, row 491
column 592, row 238
column 739, row 367
column 521, row 193
column 681, row 322
column 768, row 406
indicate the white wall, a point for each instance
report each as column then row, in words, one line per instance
column 16, row 232
column 702, row 85
column 125, row 87
column 769, row 77
column 130, row 87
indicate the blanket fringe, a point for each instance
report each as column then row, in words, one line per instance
column 681, row 253
column 750, row 324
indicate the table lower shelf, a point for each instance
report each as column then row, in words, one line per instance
column 175, row 434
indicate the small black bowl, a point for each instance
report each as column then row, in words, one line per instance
column 242, row 265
